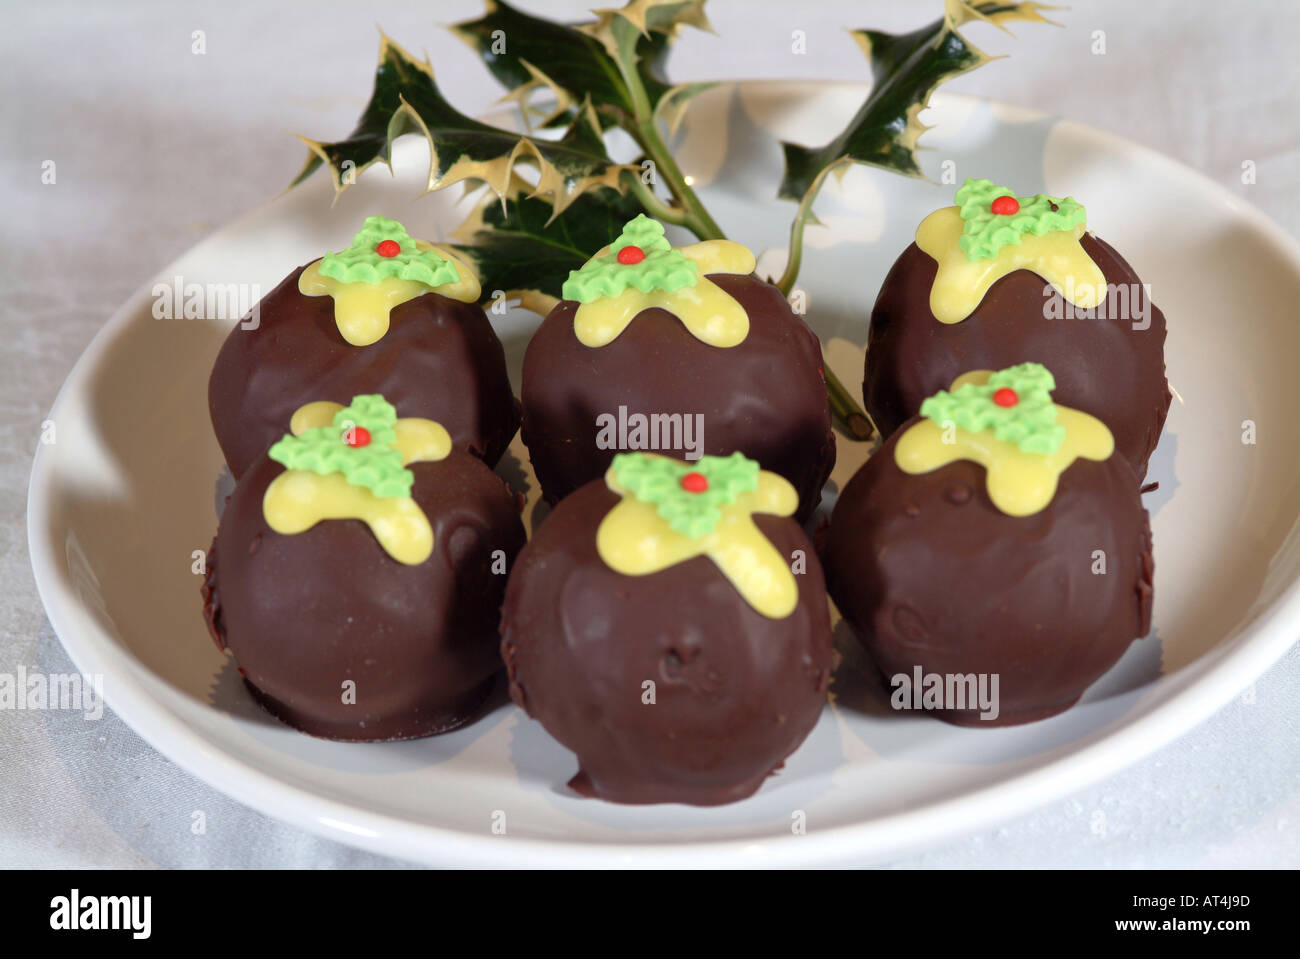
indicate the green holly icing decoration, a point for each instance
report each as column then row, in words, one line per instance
column 986, row 232
column 361, row 444
column 651, row 264
column 372, row 257
column 688, row 495
column 1015, row 403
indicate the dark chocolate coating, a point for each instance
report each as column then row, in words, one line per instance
column 765, row 397
column 735, row 692
column 302, row 613
column 932, row 574
column 440, row 359
column 1102, row 366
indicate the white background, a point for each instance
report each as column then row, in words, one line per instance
column 156, row 146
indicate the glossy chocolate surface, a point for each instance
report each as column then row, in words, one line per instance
column 931, row 574
column 440, row 360
column 304, row 613
column 1102, row 366
column 765, row 397
column 734, row 691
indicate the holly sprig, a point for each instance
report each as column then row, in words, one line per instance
column 382, row 250
column 1015, row 404
column 360, row 443
column 640, row 257
column 994, row 217
column 688, row 496
column 526, row 237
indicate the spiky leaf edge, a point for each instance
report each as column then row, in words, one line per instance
column 573, row 61
column 806, row 168
column 567, row 167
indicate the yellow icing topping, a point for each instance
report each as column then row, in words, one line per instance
column 710, row 314
column 362, row 310
column 960, row 283
column 633, row 539
column 297, row 500
column 1018, row 483
column 418, row 440
column 312, row 416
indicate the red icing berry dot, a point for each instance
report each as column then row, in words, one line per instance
column 389, row 248
column 1005, row 206
column 1006, row 397
column 695, row 482
column 356, row 437
column 630, row 255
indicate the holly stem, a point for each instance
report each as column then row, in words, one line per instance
column 793, row 264
column 691, row 213
column 850, row 416
column 802, row 217
column 694, row 216
column 656, row 207
column 645, row 131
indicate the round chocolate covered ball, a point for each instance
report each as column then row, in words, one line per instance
column 733, row 692
column 439, row 358
column 303, row 614
column 933, row 575
column 764, row 397
column 1112, row 367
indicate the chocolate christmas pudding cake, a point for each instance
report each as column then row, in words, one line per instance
column 997, row 534
column 358, row 572
column 668, row 623
column 999, row 280
column 681, row 350
column 389, row 315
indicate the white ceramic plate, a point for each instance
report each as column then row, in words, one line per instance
column 130, row 489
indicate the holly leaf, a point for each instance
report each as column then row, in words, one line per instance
column 906, row 68
column 406, row 99
column 520, row 248
column 527, row 54
column 646, row 16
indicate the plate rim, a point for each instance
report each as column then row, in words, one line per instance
column 1224, row 669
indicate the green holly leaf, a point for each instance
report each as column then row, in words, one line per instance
column 363, row 263
column 661, row 267
column 406, row 99
column 519, row 248
column 906, row 68
column 985, row 233
column 1026, row 415
column 695, row 511
column 527, row 54
column 361, row 443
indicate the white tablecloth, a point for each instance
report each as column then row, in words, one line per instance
column 155, row 145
